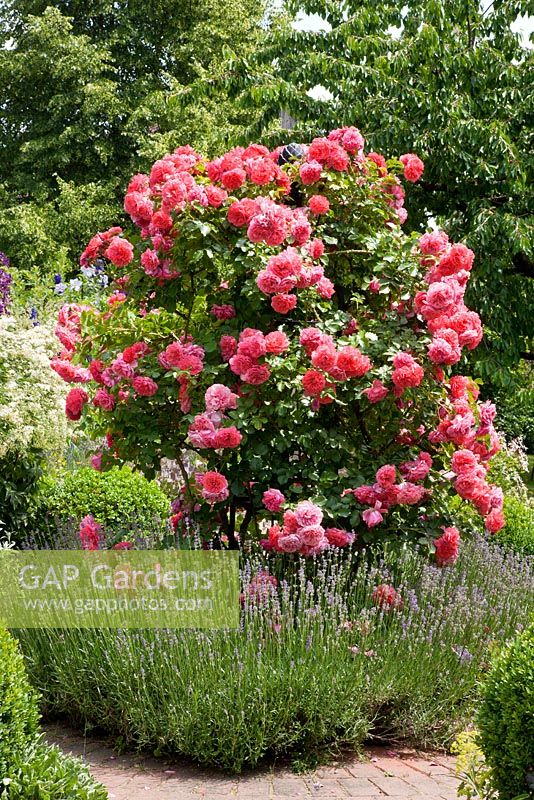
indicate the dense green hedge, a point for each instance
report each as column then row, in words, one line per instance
column 116, row 499
column 29, row 768
column 18, row 705
column 518, row 532
column 506, row 717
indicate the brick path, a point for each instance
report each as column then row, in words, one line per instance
column 403, row 774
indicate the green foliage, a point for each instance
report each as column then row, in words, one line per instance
column 72, row 116
column 471, row 768
column 45, row 773
column 515, row 404
column 45, row 235
column 518, row 532
column 85, row 99
column 506, row 717
column 30, row 769
column 19, row 487
column 442, row 78
column 313, row 665
column 114, row 498
column 18, row 705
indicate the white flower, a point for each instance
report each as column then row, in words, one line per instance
column 76, row 284
column 32, row 396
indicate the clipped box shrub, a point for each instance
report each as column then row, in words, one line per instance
column 506, row 717
column 18, row 705
column 518, row 532
column 114, row 498
column 29, row 768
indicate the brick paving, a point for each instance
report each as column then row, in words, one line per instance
column 401, row 774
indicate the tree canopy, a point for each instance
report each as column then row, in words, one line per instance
column 85, row 101
column 448, row 80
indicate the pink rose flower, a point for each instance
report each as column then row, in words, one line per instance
column 353, row 362
column 307, row 514
column 337, row 537
column 222, row 312
column 284, row 303
column 413, row 167
column 219, row 398
column 410, row 494
column 313, row 382
column 276, row 342
column 433, row 243
column 310, row 172
column 144, row 385
column 227, row 437
column 386, row 475
column 273, row 500
column 495, row 521
column 325, row 288
column 447, row 546
column 386, row 597
column 289, row 543
column 318, row 204
column 464, row 462
column 372, row 517
column 324, row 357
column 376, row 392
column 241, row 212
column 104, row 400
column 214, row 486
column 233, row 179
column 120, row 252
column 228, row 347
column 256, row 375
column 90, row 533
column 74, row 403
column 311, row 535
column 216, row 196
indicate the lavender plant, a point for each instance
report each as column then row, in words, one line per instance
column 336, row 652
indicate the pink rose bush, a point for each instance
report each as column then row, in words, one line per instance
column 270, row 323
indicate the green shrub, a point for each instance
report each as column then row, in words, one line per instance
column 19, row 486
column 29, row 768
column 46, row 773
column 506, row 716
column 476, row 780
column 18, row 705
column 518, row 532
column 515, row 404
column 115, row 499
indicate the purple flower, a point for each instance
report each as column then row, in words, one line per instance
column 463, row 653
column 5, row 283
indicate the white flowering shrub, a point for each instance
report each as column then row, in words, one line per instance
column 32, row 424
